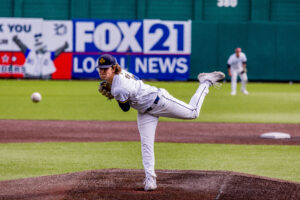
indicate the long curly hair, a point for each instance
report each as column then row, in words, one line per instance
column 117, row 68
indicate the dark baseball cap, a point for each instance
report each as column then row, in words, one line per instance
column 106, row 61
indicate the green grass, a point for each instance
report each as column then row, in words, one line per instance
column 80, row 100
column 35, row 159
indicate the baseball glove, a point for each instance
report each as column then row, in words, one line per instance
column 105, row 90
column 244, row 71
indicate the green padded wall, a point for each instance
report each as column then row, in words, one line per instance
column 47, row 9
column 113, row 9
column 169, row 9
column 260, row 10
column 204, row 47
column 285, row 10
column 79, row 9
column 239, row 11
column 272, row 49
column 207, row 10
column 267, row 30
column 287, row 56
column 6, row 8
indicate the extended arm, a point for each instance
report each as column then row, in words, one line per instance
column 20, row 44
column 244, row 59
column 61, row 49
column 228, row 67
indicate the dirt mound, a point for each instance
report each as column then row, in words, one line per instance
column 127, row 184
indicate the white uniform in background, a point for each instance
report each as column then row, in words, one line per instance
column 236, row 68
column 39, row 64
column 151, row 103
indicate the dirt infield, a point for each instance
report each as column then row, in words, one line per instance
column 127, row 184
column 187, row 132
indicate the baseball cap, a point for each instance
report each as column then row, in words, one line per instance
column 106, row 61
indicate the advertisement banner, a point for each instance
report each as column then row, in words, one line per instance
column 29, row 48
column 150, row 49
column 84, row 65
column 58, row 49
column 58, row 39
column 12, row 58
column 160, row 67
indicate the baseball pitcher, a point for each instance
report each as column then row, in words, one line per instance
column 151, row 103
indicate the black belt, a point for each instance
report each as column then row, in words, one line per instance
column 155, row 102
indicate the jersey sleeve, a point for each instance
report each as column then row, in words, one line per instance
column 27, row 52
column 124, row 106
column 52, row 55
column 121, row 95
column 244, row 58
column 229, row 61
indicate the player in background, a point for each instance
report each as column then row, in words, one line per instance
column 151, row 103
column 237, row 66
column 39, row 61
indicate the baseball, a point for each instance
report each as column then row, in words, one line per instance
column 36, row 97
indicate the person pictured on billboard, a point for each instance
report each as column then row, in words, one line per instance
column 39, row 62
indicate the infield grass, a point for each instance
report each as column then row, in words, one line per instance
column 20, row 160
column 80, row 100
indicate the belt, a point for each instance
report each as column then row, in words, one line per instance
column 155, row 102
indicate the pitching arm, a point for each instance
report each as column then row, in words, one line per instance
column 20, row 44
column 61, row 49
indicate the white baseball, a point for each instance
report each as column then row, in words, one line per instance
column 36, row 97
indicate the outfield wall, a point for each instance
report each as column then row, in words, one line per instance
column 266, row 30
column 272, row 49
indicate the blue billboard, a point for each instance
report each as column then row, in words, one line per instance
column 150, row 49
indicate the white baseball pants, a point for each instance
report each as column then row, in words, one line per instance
column 234, row 78
column 167, row 106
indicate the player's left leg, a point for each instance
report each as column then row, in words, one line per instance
column 147, row 125
column 244, row 80
column 169, row 106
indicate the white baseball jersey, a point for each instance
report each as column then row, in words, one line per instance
column 126, row 87
column 141, row 96
column 39, row 64
column 236, row 63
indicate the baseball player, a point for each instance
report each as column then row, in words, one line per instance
column 39, row 62
column 151, row 103
column 237, row 66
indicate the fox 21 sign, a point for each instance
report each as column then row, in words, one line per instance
column 150, row 49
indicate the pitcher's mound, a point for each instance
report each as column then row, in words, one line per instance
column 128, row 184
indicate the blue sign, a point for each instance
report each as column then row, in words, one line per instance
column 160, row 67
column 150, row 49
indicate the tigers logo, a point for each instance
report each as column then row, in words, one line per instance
column 101, row 61
column 60, row 29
